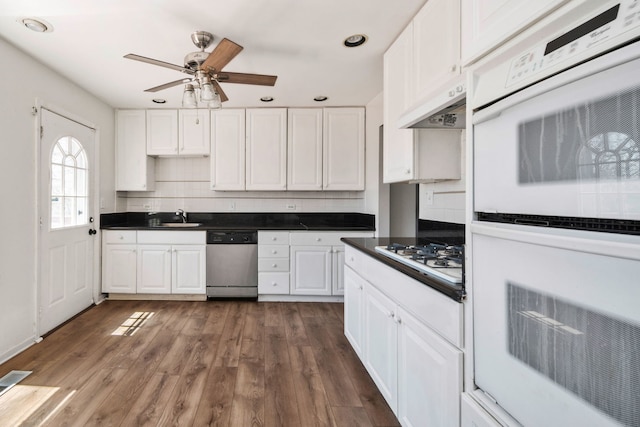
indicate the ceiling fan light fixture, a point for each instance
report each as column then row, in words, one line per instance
column 159, row 100
column 320, row 98
column 355, row 40
column 216, row 103
column 266, row 99
column 36, row 24
column 207, row 93
column 189, row 97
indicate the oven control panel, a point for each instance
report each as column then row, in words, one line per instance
column 614, row 21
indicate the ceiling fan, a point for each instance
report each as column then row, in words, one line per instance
column 206, row 69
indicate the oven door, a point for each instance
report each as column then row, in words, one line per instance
column 556, row 325
column 568, row 146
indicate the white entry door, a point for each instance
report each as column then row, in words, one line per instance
column 67, row 233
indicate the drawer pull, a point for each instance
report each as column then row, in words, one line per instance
column 274, row 252
column 274, row 283
column 318, row 239
column 274, row 238
column 274, row 265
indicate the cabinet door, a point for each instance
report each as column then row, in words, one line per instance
column 397, row 144
column 194, row 137
column 354, row 309
column 343, row 149
column 134, row 169
column 311, row 272
column 227, row 150
column 304, row 147
column 429, row 376
column 188, row 269
column 338, row 270
column 436, row 46
column 266, row 149
column 154, row 269
column 486, row 24
column 119, row 269
column 472, row 414
column 381, row 344
column 162, row 132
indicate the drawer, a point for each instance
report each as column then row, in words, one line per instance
column 273, row 237
column 273, row 251
column 273, row 283
column 328, row 238
column 165, row 237
column 273, row 264
column 119, row 236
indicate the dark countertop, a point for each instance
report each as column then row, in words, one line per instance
column 367, row 245
column 323, row 221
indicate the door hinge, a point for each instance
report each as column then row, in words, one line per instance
column 41, row 131
column 34, row 110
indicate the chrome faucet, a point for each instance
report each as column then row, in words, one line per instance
column 182, row 214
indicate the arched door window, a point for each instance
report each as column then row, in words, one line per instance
column 611, row 155
column 69, row 183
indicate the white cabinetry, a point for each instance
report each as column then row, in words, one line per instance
column 486, row 24
column 343, row 149
column 304, row 147
column 228, row 150
column 317, row 261
column 178, row 132
column 436, row 46
column 472, row 414
column 134, row 169
column 154, row 262
column 119, row 254
column 410, row 340
column 162, row 132
column 273, row 262
column 266, row 149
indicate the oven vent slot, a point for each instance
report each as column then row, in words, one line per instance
column 603, row 225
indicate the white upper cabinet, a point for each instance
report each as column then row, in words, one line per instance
column 228, row 150
column 135, row 171
column 486, row 24
column 436, row 46
column 343, row 149
column 266, row 161
column 398, row 144
column 162, row 132
column 304, row 147
column 178, row 132
column 194, row 132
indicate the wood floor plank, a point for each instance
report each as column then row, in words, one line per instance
column 217, row 397
column 217, row 363
column 281, row 408
column 313, row 405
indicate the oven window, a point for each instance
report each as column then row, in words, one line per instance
column 591, row 354
column 592, row 142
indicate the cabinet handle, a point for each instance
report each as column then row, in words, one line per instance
column 459, row 88
column 391, row 314
column 452, row 93
column 454, row 67
column 274, row 283
column 274, row 252
column 274, row 238
column 352, row 259
column 398, row 320
column 318, row 239
column 360, row 287
column 121, row 237
column 407, row 172
column 274, row 265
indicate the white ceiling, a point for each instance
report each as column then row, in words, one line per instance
column 300, row 41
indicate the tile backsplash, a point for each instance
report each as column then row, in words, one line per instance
column 183, row 183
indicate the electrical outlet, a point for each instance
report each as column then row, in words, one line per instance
column 429, row 197
column 291, row 207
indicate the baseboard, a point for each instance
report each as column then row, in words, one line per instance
column 18, row 349
column 299, row 298
column 157, row 297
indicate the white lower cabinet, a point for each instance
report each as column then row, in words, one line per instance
column 154, row 262
column 416, row 369
column 473, row 415
column 273, row 262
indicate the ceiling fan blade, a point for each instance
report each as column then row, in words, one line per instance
column 168, row 85
column 221, row 55
column 159, row 63
column 223, row 96
column 248, row 79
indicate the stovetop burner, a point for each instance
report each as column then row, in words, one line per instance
column 440, row 260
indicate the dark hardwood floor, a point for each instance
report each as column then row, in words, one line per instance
column 148, row 363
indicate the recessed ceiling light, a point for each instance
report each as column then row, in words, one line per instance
column 159, row 100
column 266, row 99
column 320, row 98
column 36, row 24
column 355, row 40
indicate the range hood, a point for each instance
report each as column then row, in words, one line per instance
column 443, row 110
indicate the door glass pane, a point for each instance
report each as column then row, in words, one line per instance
column 69, row 184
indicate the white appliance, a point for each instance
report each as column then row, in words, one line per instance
column 556, row 235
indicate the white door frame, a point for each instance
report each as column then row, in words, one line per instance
column 95, row 204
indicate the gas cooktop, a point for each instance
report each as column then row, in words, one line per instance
column 439, row 260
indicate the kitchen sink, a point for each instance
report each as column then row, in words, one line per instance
column 181, row 224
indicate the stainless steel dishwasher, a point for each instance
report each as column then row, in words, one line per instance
column 232, row 264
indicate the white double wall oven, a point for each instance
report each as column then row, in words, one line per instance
column 556, row 230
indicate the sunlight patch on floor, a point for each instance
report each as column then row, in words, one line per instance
column 133, row 323
column 19, row 403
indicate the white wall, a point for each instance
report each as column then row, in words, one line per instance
column 23, row 80
column 448, row 196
